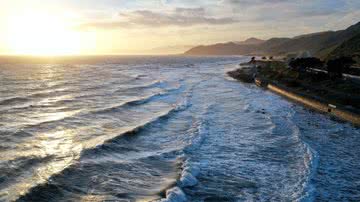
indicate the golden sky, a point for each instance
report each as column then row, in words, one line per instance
column 67, row 27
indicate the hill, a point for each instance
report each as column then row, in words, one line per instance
column 350, row 47
column 251, row 41
column 318, row 44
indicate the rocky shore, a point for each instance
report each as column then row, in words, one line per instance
column 316, row 91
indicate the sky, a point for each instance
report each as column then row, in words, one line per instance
column 152, row 26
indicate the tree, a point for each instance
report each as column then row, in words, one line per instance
column 338, row 66
column 253, row 60
column 303, row 64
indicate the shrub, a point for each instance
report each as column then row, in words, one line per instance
column 303, row 64
column 338, row 66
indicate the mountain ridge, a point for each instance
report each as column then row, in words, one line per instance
column 318, row 44
column 250, row 41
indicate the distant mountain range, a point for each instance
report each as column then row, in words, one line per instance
column 322, row 44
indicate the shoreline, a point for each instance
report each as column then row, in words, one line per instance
column 329, row 109
column 319, row 104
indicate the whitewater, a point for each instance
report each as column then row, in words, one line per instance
column 164, row 128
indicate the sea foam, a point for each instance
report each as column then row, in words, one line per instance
column 188, row 175
column 174, row 194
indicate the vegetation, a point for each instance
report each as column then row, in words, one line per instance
column 324, row 86
column 350, row 48
column 340, row 50
column 243, row 75
column 335, row 67
column 316, row 84
column 303, row 64
column 253, row 60
column 338, row 66
column 278, row 71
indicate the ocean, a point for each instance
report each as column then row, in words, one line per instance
column 163, row 128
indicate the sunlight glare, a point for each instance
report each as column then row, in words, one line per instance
column 42, row 34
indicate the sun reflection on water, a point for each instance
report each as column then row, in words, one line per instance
column 63, row 147
column 55, row 152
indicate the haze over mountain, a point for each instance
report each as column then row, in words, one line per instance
column 318, row 44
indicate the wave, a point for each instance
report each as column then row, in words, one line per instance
column 14, row 100
column 187, row 179
column 101, row 146
column 181, row 106
column 198, row 136
column 189, row 170
column 154, row 84
column 12, row 169
column 174, row 194
column 48, row 93
column 134, row 102
column 28, row 100
column 8, row 138
column 137, row 101
column 312, row 163
column 23, row 162
column 188, row 175
column 16, row 134
column 105, row 146
column 311, row 160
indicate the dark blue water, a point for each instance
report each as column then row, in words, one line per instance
column 164, row 129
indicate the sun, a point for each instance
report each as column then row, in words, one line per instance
column 41, row 34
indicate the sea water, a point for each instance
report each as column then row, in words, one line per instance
column 171, row 128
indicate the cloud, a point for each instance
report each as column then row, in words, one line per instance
column 249, row 3
column 180, row 17
column 219, row 20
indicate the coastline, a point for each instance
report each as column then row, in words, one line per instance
column 300, row 96
column 332, row 110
